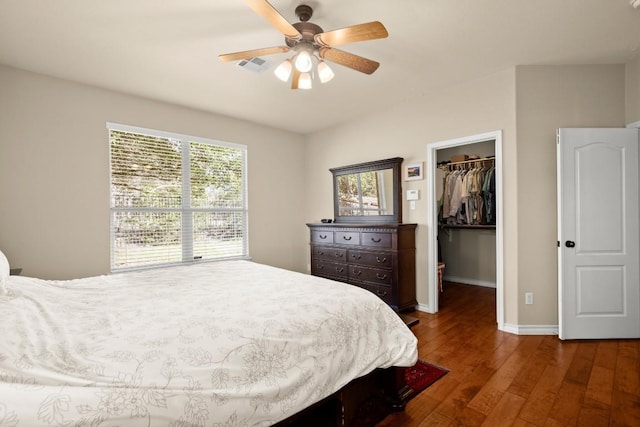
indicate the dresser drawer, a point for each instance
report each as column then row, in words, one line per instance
column 378, row 240
column 329, row 269
column 375, row 275
column 384, row 292
column 347, row 238
column 374, row 259
column 322, row 236
column 329, row 253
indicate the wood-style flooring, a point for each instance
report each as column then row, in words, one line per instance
column 500, row 379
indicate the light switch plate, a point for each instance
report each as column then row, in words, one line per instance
column 413, row 194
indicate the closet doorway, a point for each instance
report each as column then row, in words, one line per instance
column 434, row 182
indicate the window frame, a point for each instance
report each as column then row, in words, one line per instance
column 186, row 210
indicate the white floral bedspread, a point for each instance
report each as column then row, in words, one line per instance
column 230, row 343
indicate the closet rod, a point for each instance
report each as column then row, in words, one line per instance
column 465, row 162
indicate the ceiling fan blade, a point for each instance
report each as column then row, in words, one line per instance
column 350, row 60
column 268, row 12
column 356, row 33
column 236, row 56
column 295, row 78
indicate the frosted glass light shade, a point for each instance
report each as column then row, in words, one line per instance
column 325, row 73
column 305, row 81
column 283, row 71
column 304, row 62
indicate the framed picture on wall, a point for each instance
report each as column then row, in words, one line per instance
column 414, row 171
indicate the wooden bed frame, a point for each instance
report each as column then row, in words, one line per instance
column 363, row 402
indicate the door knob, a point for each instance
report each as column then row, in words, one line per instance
column 570, row 244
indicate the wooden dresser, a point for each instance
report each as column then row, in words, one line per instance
column 377, row 257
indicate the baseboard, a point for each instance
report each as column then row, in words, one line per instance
column 530, row 329
column 510, row 327
column 467, row 281
column 425, row 308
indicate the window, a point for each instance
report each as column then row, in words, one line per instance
column 175, row 198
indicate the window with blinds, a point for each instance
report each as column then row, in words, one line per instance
column 175, row 198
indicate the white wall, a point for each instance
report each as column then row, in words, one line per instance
column 480, row 106
column 54, row 174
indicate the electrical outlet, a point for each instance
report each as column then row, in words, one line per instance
column 528, row 298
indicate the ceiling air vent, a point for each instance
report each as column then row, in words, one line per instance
column 255, row 64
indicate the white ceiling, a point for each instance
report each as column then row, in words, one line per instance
column 167, row 50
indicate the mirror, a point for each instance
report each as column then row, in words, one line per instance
column 368, row 192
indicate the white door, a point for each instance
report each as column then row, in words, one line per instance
column 598, row 234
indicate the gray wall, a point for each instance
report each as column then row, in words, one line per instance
column 632, row 86
column 54, row 209
column 54, row 174
column 475, row 107
column 550, row 97
column 527, row 103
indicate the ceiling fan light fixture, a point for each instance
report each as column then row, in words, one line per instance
column 283, row 71
column 325, row 73
column 304, row 82
column 310, row 43
column 303, row 62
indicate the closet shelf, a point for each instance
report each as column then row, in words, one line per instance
column 472, row 226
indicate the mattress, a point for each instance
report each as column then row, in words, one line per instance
column 232, row 343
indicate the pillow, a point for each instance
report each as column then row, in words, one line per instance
column 4, row 271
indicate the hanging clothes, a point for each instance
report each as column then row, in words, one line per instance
column 468, row 193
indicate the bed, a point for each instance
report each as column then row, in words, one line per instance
column 231, row 343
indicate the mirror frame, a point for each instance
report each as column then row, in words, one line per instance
column 395, row 164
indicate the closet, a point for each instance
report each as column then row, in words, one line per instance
column 465, row 196
column 469, row 193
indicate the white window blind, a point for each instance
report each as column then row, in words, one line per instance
column 175, row 198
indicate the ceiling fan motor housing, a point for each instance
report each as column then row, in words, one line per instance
column 304, row 12
column 307, row 30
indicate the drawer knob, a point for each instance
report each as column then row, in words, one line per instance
column 338, row 255
column 339, row 269
column 320, row 252
column 356, row 256
column 320, row 266
column 381, row 293
column 322, row 236
column 357, row 272
column 381, row 260
column 346, row 238
column 378, row 240
column 381, row 276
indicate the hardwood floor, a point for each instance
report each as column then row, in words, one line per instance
column 501, row 379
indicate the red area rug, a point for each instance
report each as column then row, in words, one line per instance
column 422, row 375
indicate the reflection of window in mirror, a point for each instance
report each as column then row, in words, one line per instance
column 366, row 193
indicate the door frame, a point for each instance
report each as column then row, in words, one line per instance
column 432, row 218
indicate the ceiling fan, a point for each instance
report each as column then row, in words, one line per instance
column 309, row 40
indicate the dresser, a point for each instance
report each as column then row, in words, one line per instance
column 377, row 257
